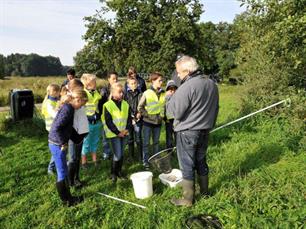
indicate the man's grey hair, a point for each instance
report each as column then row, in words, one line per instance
column 187, row 63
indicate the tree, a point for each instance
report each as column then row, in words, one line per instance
column 35, row 65
column 272, row 54
column 53, row 66
column 227, row 43
column 278, row 29
column 32, row 65
column 91, row 61
column 146, row 34
column 2, row 66
column 207, row 44
column 13, row 64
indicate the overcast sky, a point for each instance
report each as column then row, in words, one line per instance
column 55, row 27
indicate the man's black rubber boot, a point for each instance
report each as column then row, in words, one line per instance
column 203, row 183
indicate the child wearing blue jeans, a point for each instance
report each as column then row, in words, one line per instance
column 116, row 120
column 132, row 96
column 49, row 110
column 152, row 109
column 58, row 137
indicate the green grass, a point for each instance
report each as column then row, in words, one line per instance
column 257, row 180
column 37, row 84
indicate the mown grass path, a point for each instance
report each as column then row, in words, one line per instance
column 257, row 180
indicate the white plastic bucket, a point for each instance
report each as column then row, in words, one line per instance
column 142, row 184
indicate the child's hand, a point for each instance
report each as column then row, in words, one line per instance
column 126, row 132
column 64, row 147
column 121, row 134
column 169, row 93
column 138, row 116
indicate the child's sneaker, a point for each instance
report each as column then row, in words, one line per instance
column 51, row 172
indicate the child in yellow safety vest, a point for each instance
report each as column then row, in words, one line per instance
column 151, row 107
column 49, row 110
column 116, row 118
column 112, row 77
column 50, row 104
column 91, row 141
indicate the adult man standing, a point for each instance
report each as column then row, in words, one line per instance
column 194, row 107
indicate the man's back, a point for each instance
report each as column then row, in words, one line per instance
column 196, row 104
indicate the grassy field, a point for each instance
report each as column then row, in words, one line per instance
column 257, row 180
column 37, row 84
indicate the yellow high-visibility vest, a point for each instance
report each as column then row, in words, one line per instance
column 119, row 117
column 153, row 104
column 92, row 104
column 47, row 113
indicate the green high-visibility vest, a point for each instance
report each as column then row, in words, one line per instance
column 154, row 105
column 48, row 118
column 92, row 104
column 119, row 116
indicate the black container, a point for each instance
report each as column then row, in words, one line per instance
column 21, row 104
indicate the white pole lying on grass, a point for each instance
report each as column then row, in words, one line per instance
column 124, row 201
column 249, row 115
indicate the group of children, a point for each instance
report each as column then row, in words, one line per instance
column 77, row 116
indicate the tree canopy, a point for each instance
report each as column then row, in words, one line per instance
column 31, row 65
column 146, row 34
column 149, row 34
column 272, row 55
column 2, row 69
